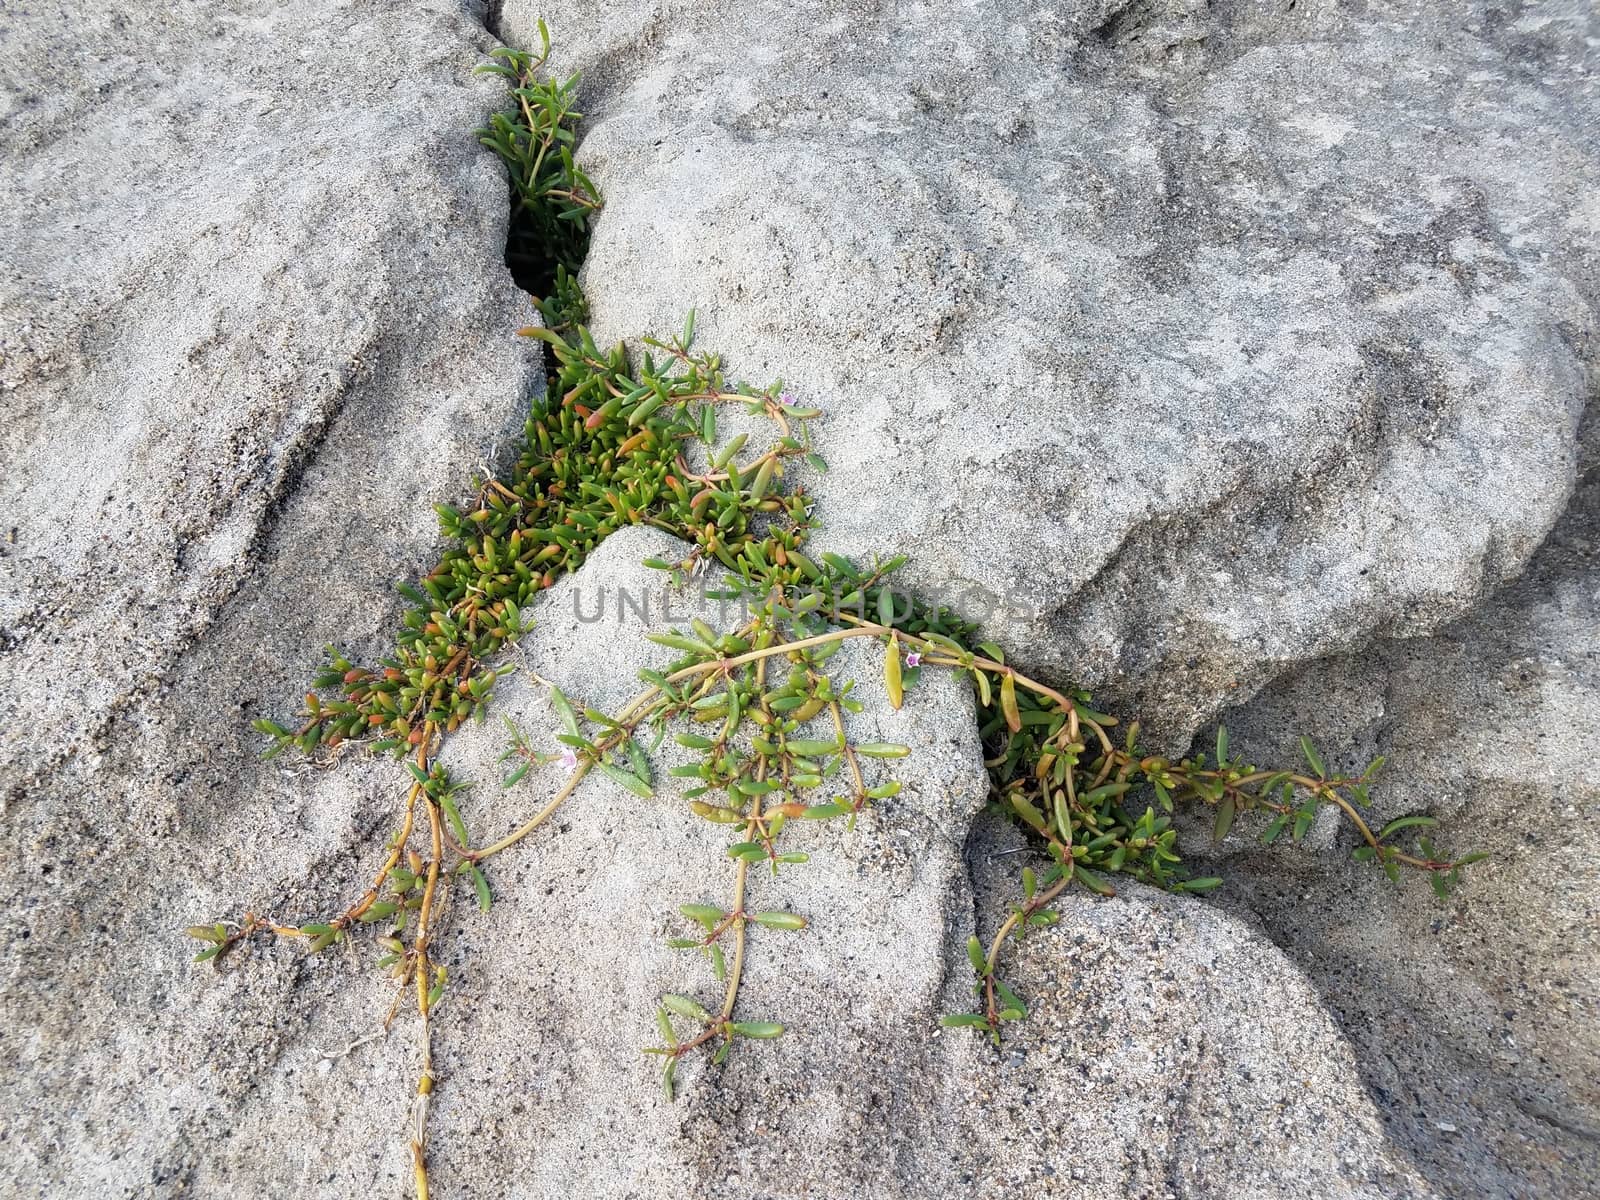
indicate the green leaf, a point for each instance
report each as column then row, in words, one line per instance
column 676, row 641
column 632, row 782
column 481, row 885
column 706, row 914
column 1094, row 882
column 1222, row 745
column 377, row 911
column 1399, row 823
column 453, row 815
column 725, row 455
column 1008, row 702
column 664, row 1023
column 1026, row 809
column 779, row 920
column 893, row 683
column 886, row 606
column 841, row 565
column 1312, row 757
column 756, row 1029
column 976, row 957
column 1011, row 999
column 964, row 1021
column 564, row 710
column 821, row 812
column 882, row 750
column 1224, row 821
column 638, row 760
column 1162, row 794
column 811, row 749
column 1104, row 792
column 685, row 1007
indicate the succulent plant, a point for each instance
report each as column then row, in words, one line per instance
column 613, row 443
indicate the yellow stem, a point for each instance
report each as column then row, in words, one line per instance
column 742, row 873
column 538, row 819
column 543, row 815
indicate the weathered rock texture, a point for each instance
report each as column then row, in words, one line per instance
column 1175, row 1049
column 1202, row 338
column 252, row 322
column 1475, row 1021
column 1221, row 334
column 249, row 288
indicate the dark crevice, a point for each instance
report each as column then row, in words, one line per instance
column 1124, row 24
column 528, row 270
column 492, row 11
column 528, row 258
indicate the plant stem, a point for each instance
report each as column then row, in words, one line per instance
column 630, row 713
column 743, row 871
column 849, row 750
column 538, row 819
column 424, row 915
column 727, row 664
column 739, row 924
column 1005, row 930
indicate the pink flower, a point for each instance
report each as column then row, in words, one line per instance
column 568, row 758
column 786, row 398
column 913, row 659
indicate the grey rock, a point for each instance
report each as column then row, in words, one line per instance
column 1186, row 342
column 1475, row 1021
column 251, row 329
column 1172, row 1048
column 586, row 912
column 1168, row 1053
column 254, row 323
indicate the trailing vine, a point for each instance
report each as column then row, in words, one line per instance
column 615, row 442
